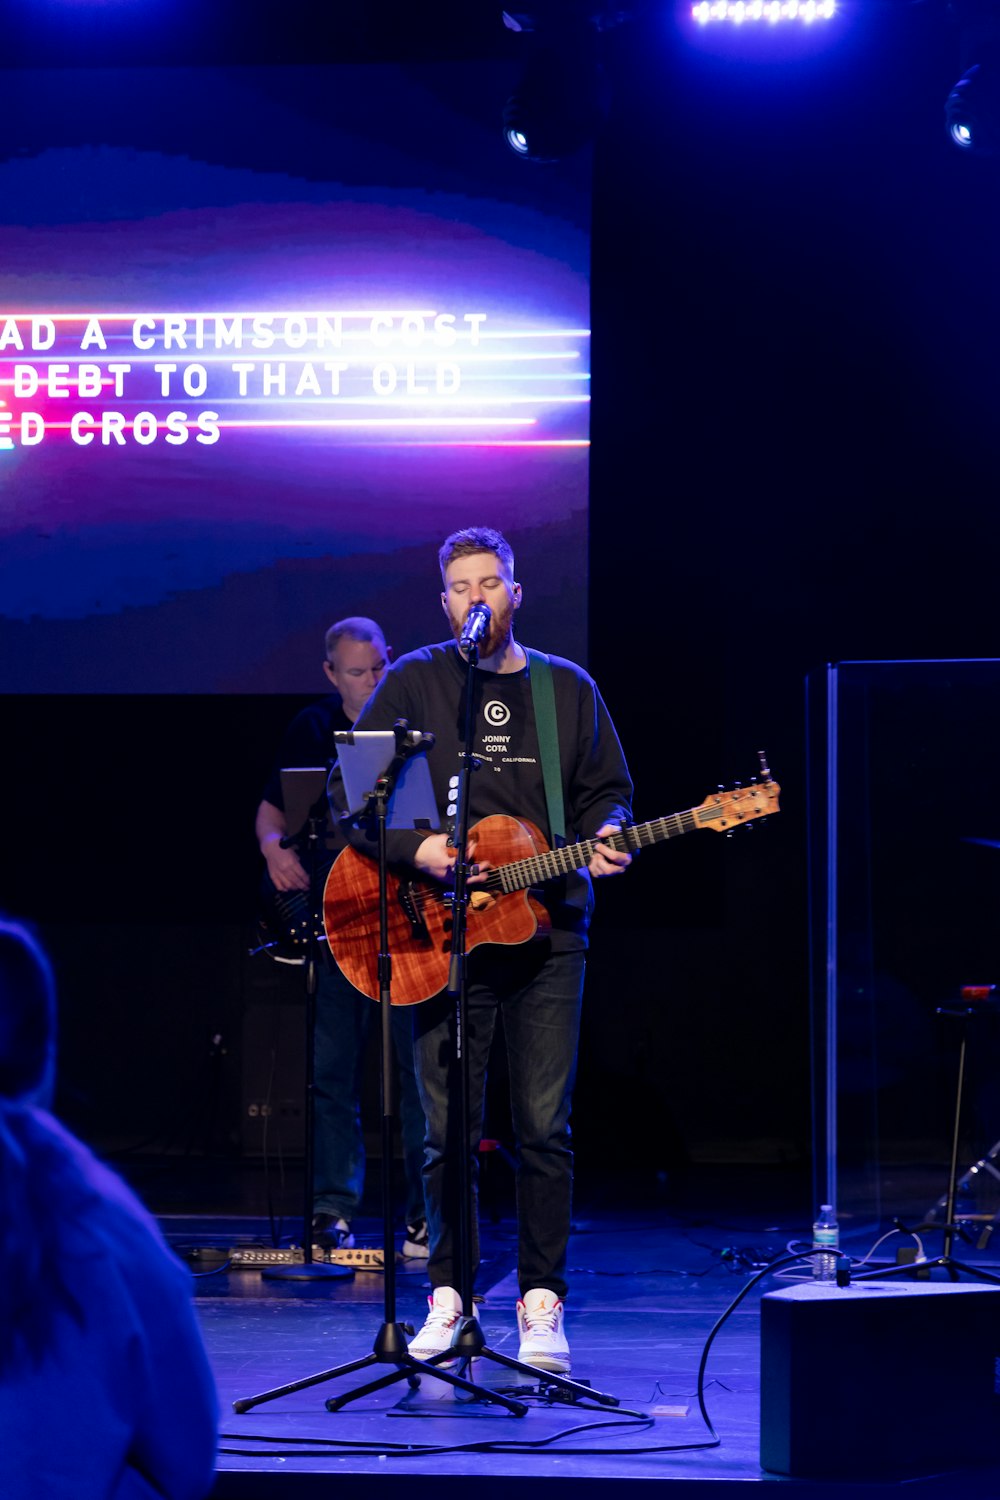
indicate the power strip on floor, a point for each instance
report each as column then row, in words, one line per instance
column 374, row 1257
column 251, row 1257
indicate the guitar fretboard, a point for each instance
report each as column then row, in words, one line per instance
column 522, row 873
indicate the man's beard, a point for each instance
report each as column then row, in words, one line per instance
column 498, row 634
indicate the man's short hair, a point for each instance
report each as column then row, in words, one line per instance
column 355, row 628
column 476, row 539
column 27, row 1014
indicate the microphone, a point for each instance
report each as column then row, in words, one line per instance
column 476, row 627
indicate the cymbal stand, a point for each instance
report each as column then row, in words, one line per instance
column 962, row 1014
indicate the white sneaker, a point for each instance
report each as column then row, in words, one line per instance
column 445, row 1310
column 540, row 1324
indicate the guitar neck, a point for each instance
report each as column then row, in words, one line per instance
column 522, row 873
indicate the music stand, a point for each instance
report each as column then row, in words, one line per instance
column 401, row 802
column 303, row 792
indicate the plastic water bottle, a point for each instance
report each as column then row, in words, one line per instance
column 826, row 1236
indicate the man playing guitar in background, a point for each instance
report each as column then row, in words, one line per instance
column 356, row 657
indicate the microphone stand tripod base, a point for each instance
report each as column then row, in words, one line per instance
column 313, row 1270
column 391, row 1348
column 469, row 1344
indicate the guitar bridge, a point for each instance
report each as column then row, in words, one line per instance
column 411, row 907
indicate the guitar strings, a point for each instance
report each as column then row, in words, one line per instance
column 521, row 874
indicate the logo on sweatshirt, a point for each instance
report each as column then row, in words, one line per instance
column 496, row 713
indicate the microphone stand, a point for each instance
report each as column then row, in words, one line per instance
column 391, row 1340
column 309, row 1269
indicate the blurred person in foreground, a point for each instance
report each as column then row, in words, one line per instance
column 105, row 1387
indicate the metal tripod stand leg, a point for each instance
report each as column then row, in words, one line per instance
column 979, row 1171
column 390, row 1348
column 469, row 1337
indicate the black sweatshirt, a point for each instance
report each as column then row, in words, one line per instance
column 427, row 689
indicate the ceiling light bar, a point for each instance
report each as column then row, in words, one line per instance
column 738, row 12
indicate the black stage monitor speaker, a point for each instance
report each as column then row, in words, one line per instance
column 273, row 1078
column 882, row 1378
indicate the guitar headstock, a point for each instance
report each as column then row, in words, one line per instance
column 727, row 808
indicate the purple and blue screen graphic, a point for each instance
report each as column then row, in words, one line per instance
column 266, row 336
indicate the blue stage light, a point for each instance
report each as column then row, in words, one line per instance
column 739, row 12
column 972, row 111
column 563, row 95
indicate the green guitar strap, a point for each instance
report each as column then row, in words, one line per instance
column 544, row 700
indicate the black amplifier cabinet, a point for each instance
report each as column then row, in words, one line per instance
column 882, row 1378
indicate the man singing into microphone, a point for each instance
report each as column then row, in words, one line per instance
column 537, row 985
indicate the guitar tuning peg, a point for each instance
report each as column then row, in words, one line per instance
column 721, row 787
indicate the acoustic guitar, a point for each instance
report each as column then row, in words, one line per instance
column 501, row 909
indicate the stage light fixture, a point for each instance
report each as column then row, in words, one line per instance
column 739, row 12
column 957, row 114
column 556, row 108
column 563, row 94
column 972, row 108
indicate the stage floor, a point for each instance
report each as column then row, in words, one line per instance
column 648, row 1284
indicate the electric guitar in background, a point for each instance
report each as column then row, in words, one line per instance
column 283, row 923
column 502, row 908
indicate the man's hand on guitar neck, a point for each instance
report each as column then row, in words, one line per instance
column 283, row 865
column 605, row 859
column 435, row 856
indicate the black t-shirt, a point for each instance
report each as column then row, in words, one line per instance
column 308, row 741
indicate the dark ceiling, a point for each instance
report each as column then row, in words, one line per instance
column 57, row 32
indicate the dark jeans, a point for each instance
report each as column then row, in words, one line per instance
column 539, row 994
column 343, row 1020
